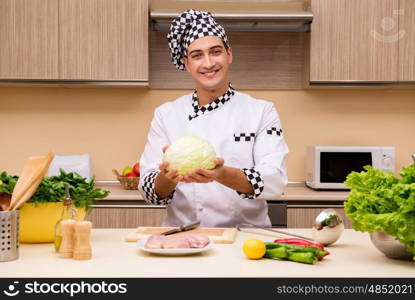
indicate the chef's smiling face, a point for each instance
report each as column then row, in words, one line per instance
column 208, row 62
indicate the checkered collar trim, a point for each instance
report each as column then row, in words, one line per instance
column 200, row 110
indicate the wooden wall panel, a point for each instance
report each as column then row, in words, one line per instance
column 304, row 217
column 407, row 42
column 262, row 60
column 126, row 217
column 354, row 40
column 103, row 39
column 29, row 39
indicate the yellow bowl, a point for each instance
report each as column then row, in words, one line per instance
column 37, row 221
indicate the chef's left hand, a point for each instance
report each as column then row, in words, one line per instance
column 206, row 176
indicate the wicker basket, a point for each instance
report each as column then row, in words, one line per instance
column 128, row 183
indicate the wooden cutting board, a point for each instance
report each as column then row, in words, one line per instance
column 217, row 235
column 30, row 178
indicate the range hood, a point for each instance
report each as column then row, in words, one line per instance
column 248, row 15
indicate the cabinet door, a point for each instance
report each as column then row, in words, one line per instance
column 29, row 39
column 128, row 217
column 354, row 40
column 407, row 41
column 303, row 217
column 103, row 40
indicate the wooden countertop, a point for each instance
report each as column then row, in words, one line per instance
column 293, row 192
column 353, row 255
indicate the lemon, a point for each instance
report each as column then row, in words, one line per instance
column 254, row 248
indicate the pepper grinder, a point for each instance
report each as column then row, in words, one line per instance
column 67, row 232
column 82, row 249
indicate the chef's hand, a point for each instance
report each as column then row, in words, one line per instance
column 206, row 176
column 166, row 181
column 171, row 175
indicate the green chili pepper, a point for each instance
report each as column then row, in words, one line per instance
column 303, row 257
column 270, row 245
column 280, row 252
column 293, row 248
column 318, row 253
column 303, row 243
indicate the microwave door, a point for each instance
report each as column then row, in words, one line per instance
column 335, row 166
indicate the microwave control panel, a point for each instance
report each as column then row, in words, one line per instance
column 387, row 159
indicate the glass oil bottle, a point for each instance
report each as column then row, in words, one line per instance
column 68, row 212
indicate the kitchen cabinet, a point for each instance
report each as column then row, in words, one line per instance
column 303, row 216
column 277, row 213
column 134, row 215
column 407, row 41
column 74, row 40
column 355, row 40
column 103, row 40
column 29, row 39
column 266, row 54
column 126, row 216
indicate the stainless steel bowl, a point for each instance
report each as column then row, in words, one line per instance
column 390, row 246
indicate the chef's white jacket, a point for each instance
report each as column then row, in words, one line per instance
column 245, row 132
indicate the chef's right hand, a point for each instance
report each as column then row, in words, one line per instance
column 169, row 175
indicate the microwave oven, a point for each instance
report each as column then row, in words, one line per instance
column 328, row 166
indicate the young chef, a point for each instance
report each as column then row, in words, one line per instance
column 245, row 132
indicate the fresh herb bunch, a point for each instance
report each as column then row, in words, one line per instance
column 378, row 201
column 7, row 183
column 82, row 192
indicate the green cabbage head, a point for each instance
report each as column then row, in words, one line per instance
column 189, row 153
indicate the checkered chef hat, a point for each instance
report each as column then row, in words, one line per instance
column 189, row 26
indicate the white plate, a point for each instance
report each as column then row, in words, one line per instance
column 173, row 251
